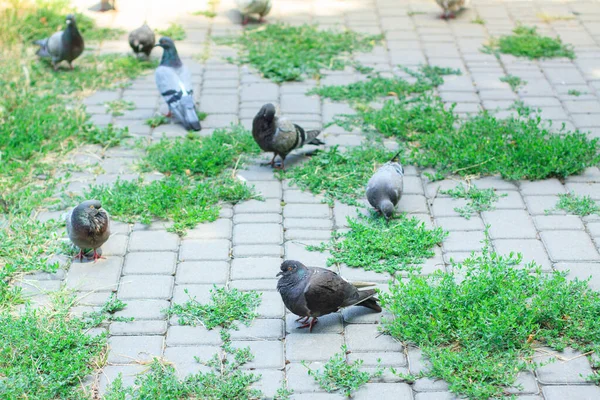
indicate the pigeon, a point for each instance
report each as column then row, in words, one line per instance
column 313, row 292
column 247, row 7
column 174, row 83
column 88, row 226
column 385, row 188
column 142, row 40
column 451, row 6
column 279, row 134
column 64, row 45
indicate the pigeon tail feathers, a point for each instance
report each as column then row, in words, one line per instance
column 188, row 113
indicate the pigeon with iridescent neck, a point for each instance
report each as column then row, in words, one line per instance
column 385, row 188
column 65, row 45
column 247, row 7
column 88, row 227
column 450, row 7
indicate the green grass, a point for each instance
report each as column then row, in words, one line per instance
column 425, row 79
column 106, row 137
column 106, row 313
column 479, row 331
column 283, row 393
column 478, row 199
column 117, row 108
column 292, row 53
column 478, row 21
column 513, row 81
column 226, row 307
column 157, row 120
column 376, row 245
column 573, row 92
column 338, row 375
column 205, row 13
column 526, row 42
column 174, row 31
column 339, row 175
column 578, row 205
column 548, row 18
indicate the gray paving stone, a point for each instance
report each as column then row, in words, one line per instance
column 133, row 349
column 545, row 187
column 268, row 189
column 430, row 385
column 526, row 380
column 585, row 189
column 202, row 272
column 271, row 305
column 435, row 396
column 509, row 199
column 186, row 354
column 569, row 246
column 191, row 336
column 255, row 268
column 445, row 207
column 254, row 284
column 343, row 211
column 291, row 196
column 307, row 234
column 134, row 287
column 127, row 373
column 153, row 241
column 583, row 392
column 144, row 309
column 315, row 347
column 300, row 382
column 150, row 263
column 214, row 250
column 307, row 223
column 116, row 245
column 509, row 224
column 257, row 234
column 368, row 338
column 219, row 229
column 384, row 391
column 542, row 205
column 201, row 293
column 259, row 207
column 387, row 358
column 257, row 218
column 568, row 369
column 296, row 250
column 102, row 275
column 460, row 224
column 260, row 329
column 306, row 210
column 463, row 241
column 330, row 324
column 582, row 271
column 255, row 250
column 271, row 380
column 137, row 328
column 34, row 288
column 270, row 351
column 531, row 249
column 558, row 222
column 416, row 361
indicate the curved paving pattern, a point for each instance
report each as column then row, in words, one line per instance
column 150, row 268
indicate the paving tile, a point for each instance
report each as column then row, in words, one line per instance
column 127, row 373
column 315, row 347
column 151, row 263
column 384, row 391
column 568, row 368
column 257, row 218
column 260, row 329
column 306, row 211
column 369, row 338
column 219, row 229
column 137, row 287
column 463, row 241
column 255, row 250
column 133, row 349
column 509, row 224
column 102, row 275
column 296, row 250
column 582, row 271
column 191, row 336
column 270, row 351
column 136, row 328
column 202, row 272
column 213, row 250
column 569, row 246
column 116, row 245
column 257, row 234
column 144, row 309
column 558, row 222
column 531, row 250
column 259, row 207
column 153, row 241
column 583, row 392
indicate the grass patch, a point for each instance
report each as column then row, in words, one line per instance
column 205, row 13
column 548, row 18
column 117, row 108
column 492, row 318
column 225, row 308
column 338, row 375
column 478, row 199
column 174, row 31
column 478, row 21
column 106, row 137
column 425, row 79
column 526, row 42
column 339, row 175
column 106, row 312
column 376, row 245
column 576, row 93
column 291, row 53
column 157, row 120
column 578, row 205
column 513, row 81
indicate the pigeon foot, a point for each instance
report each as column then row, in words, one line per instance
column 97, row 256
column 245, row 20
column 310, row 325
column 302, row 320
column 80, row 255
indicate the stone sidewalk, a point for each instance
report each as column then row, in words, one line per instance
column 149, row 268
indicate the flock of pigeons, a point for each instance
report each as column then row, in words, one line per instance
column 306, row 291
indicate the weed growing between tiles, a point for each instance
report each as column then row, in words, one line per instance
column 573, row 92
column 478, row 200
column 117, row 108
column 211, row 11
column 283, row 52
column 479, row 331
column 174, row 31
column 377, row 245
column 339, row 175
column 513, row 81
column 578, row 205
column 527, row 42
column 106, row 137
column 106, row 313
column 157, row 120
column 339, row 375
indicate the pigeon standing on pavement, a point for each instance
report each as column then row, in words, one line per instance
column 280, row 135
column 451, row 7
column 313, row 292
column 64, row 45
column 385, row 188
column 88, row 226
column 142, row 40
column 247, row 7
column 174, row 83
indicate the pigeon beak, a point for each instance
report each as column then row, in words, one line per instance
column 157, row 45
column 279, row 274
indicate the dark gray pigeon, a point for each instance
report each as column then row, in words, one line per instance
column 174, row 83
column 280, row 135
column 88, row 226
column 64, row 45
column 385, row 188
column 313, row 292
column 142, row 40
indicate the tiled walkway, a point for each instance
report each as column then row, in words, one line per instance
column 150, row 268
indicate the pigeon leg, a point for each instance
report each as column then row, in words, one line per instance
column 97, row 256
column 272, row 162
column 169, row 115
column 71, row 66
column 305, row 319
column 309, row 324
column 80, row 255
column 55, row 66
column 245, row 20
column 261, row 20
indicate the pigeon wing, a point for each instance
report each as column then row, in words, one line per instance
column 326, row 292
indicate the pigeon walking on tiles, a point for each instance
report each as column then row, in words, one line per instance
column 279, row 135
column 385, row 188
column 142, row 40
column 247, row 7
column 451, row 7
column 88, row 227
column 65, row 45
column 313, row 292
column 174, row 83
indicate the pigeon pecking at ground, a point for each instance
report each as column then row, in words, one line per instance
column 174, row 83
column 88, row 227
column 142, row 40
column 385, row 188
column 247, row 7
column 280, row 135
column 451, row 6
column 313, row 292
column 64, row 45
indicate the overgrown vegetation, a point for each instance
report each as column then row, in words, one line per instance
column 338, row 375
column 157, row 120
column 513, row 81
column 527, row 42
column 226, row 307
column 174, row 31
column 578, row 205
column 292, row 53
column 106, row 137
column 548, row 18
column 106, row 313
column 478, row 199
column 377, row 245
column 479, row 331
column 117, row 108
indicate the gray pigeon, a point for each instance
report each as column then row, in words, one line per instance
column 385, row 188
column 451, row 7
column 280, row 135
column 260, row 7
column 174, row 83
column 88, row 226
column 142, row 40
column 314, row 292
column 64, row 45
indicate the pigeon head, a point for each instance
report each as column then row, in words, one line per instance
column 290, row 267
column 70, row 19
column 90, row 207
column 166, row 43
column 267, row 112
column 170, row 57
column 387, row 209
